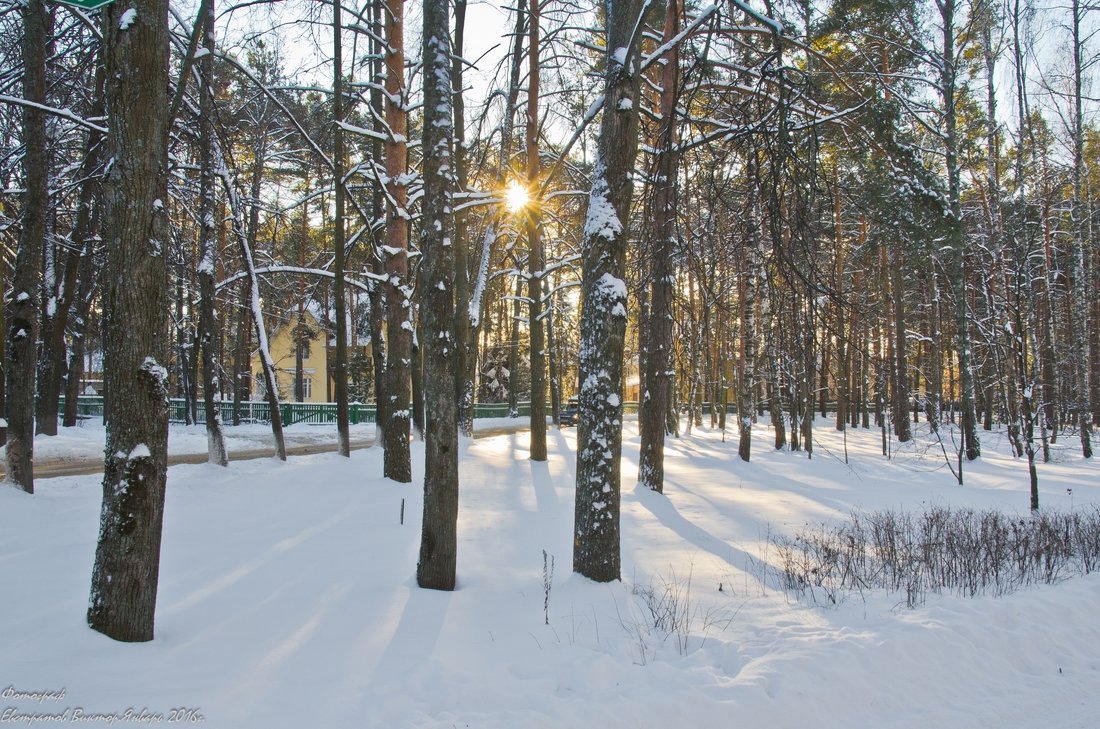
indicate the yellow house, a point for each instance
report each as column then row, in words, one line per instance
column 283, row 346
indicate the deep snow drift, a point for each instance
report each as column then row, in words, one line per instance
column 287, row 599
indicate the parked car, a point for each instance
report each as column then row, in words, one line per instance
column 568, row 414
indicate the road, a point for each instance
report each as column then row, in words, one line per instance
column 92, row 466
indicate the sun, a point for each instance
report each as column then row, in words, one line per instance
column 516, row 197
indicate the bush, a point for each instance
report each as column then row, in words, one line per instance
column 963, row 551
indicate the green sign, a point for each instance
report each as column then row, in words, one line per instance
column 86, row 4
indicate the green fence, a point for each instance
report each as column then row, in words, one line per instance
column 255, row 411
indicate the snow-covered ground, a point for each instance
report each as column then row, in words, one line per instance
column 287, row 599
column 85, row 441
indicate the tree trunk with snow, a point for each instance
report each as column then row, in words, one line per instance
column 1081, row 391
column 245, row 238
column 339, row 243
column 745, row 401
column 439, row 535
column 657, row 365
column 596, row 549
column 208, row 329
column 52, row 368
column 135, row 332
column 397, row 461
column 535, row 325
column 465, row 349
column 956, row 243
column 900, row 400
column 376, row 295
column 22, row 306
column 80, row 317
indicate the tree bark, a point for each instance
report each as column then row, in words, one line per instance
column 746, row 405
column 902, row 428
column 653, row 407
column 1081, row 390
column 339, row 244
column 439, row 541
column 397, row 461
column 22, row 306
column 596, row 549
column 956, row 241
column 135, row 332
column 208, row 329
column 53, row 371
column 534, row 247
column 465, row 339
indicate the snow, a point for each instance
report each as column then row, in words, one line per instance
column 602, row 219
column 618, row 56
column 287, row 597
column 127, row 19
column 158, row 371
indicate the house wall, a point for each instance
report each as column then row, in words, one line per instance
column 314, row 367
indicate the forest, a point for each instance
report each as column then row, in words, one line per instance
column 698, row 213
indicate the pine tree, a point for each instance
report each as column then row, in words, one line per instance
column 596, row 549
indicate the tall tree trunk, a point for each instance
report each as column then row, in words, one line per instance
column 82, row 327
column 534, row 247
column 956, row 240
column 902, row 429
column 53, row 372
column 935, row 357
column 465, row 342
column 397, row 461
column 843, row 346
column 208, row 251
column 22, row 308
column 596, row 549
column 376, row 295
column 1081, row 390
column 513, row 348
column 658, row 349
column 135, row 332
column 754, row 242
column 439, row 536
column 339, row 244
column 242, row 357
column 745, row 402
column 240, row 232
column 1025, row 341
column 774, row 371
column 552, row 361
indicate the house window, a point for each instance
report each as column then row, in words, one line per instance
column 305, row 347
column 307, row 388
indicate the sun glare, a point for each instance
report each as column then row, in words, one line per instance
column 516, row 197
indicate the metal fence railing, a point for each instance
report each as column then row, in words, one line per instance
column 257, row 411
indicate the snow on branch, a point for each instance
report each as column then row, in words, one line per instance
column 704, row 15
column 62, row 113
column 775, row 26
column 292, row 269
